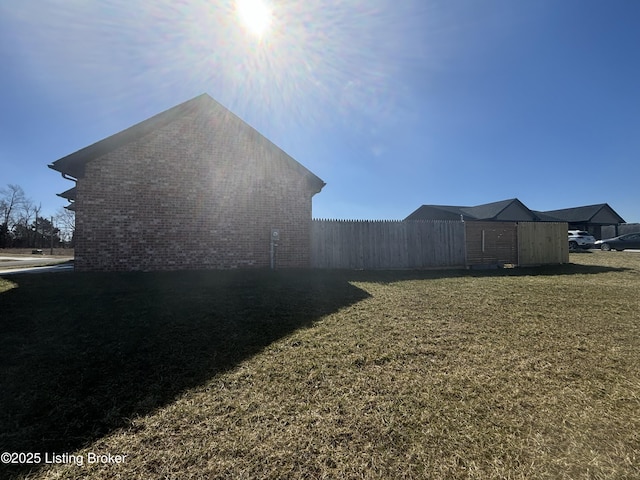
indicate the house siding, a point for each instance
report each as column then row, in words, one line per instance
column 515, row 213
column 605, row 217
column 201, row 192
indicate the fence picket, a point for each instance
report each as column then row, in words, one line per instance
column 387, row 244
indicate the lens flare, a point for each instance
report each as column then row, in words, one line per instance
column 254, row 15
column 278, row 64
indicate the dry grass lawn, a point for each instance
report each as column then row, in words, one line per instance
column 510, row 374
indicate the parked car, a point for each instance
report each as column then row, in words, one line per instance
column 622, row 242
column 580, row 239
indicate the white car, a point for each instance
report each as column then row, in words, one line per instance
column 580, row 239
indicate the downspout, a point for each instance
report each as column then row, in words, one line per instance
column 464, row 240
column 518, row 241
column 66, row 176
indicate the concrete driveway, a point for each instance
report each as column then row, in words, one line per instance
column 10, row 264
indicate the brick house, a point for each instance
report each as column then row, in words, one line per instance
column 193, row 187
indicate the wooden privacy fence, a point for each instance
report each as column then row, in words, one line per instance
column 542, row 243
column 419, row 244
column 373, row 245
column 516, row 243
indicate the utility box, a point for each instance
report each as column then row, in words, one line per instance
column 275, row 238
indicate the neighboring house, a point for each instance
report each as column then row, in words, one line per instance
column 590, row 218
column 615, row 230
column 194, row 187
column 512, row 210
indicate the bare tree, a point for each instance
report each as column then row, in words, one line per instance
column 23, row 231
column 36, row 226
column 66, row 222
column 12, row 197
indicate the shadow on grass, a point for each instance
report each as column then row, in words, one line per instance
column 80, row 354
column 391, row 276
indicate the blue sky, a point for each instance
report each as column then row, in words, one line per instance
column 394, row 104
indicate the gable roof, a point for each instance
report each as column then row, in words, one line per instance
column 73, row 165
column 600, row 213
column 491, row 211
column 487, row 211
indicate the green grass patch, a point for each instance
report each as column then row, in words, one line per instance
column 523, row 373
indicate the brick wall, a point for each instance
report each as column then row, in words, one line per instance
column 201, row 192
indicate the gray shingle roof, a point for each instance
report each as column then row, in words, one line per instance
column 584, row 214
column 490, row 211
column 487, row 211
column 594, row 214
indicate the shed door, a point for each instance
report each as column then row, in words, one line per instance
column 492, row 243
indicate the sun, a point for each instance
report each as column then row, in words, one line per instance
column 255, row 16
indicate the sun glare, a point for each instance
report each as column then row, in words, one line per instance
column 254, row 15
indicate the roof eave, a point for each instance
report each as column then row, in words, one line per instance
column 70, row 170
column 68, row 194
column 315, row 184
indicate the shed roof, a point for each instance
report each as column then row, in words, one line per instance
column 74, row 164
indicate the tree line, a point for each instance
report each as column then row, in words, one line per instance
column 23, row 226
